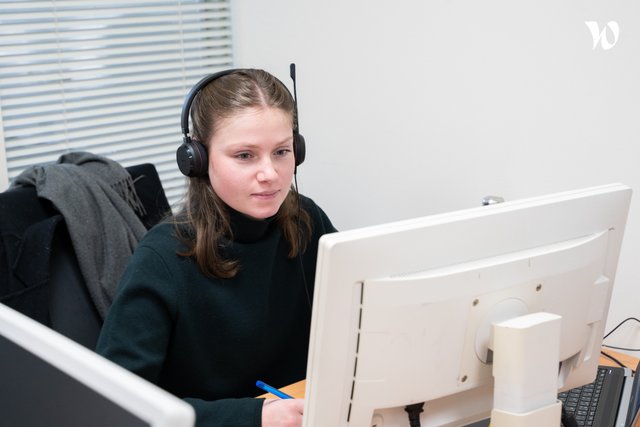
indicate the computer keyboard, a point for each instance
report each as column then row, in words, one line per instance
column 596, row 404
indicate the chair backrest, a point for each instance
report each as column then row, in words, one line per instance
column 41, row 278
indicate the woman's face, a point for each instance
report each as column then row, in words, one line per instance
column 251, row 161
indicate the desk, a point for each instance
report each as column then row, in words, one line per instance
column 298, row 389
column 628, row 361
column 295, row 390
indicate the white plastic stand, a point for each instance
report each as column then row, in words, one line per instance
column 525, row 368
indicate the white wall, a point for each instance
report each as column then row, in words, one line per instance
column 414, row 107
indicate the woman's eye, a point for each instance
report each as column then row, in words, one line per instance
column 283, row 152
column 243, row 156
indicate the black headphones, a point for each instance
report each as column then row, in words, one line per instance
column 192, row 154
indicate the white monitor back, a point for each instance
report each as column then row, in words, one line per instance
column 403, row 311
column 48, row 380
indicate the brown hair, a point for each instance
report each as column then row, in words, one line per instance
column 203, row 222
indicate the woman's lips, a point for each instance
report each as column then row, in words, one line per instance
column 265, row 194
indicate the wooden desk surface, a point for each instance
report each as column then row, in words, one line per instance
column 295, row 390
column 298, row 389
column 628, row 361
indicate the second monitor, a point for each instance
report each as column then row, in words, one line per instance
column 48, row 380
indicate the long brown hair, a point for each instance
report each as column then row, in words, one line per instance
column 203, row 223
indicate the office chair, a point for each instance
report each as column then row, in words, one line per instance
column 50, row 288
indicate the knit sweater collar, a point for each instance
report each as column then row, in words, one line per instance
column 246, row 229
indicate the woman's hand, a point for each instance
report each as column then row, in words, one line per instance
column 282, row 412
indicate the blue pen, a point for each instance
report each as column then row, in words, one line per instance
column 273, row 390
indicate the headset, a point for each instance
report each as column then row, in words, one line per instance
column 192, row 154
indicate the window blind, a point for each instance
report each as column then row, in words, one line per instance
column 107, row 77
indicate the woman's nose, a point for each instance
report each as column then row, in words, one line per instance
column 267, row 171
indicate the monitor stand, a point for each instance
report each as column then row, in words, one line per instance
column 525, row 370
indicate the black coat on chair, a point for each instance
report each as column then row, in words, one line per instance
column 39, row 273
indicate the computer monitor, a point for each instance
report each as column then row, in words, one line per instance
column 48, row 380
column 405, row 312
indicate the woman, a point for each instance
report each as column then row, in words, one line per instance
column 218, row 297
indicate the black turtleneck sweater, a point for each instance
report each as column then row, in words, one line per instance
column 209, row 340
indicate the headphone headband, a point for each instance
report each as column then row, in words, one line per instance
column 191, row 96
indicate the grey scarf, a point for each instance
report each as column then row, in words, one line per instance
column 98, row 201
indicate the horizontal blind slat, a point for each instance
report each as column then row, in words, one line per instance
column 157, row 60
column 97, row 39
column 112, row 51
column 104, row 10
column 76, row 87
column 114, row 134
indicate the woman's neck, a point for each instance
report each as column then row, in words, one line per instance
column 246, row 229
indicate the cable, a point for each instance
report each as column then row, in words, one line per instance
column 296, row 135
column 620, row 324
column 414, row 411
column 304, row 276
column 613, row 347
column 608, row 356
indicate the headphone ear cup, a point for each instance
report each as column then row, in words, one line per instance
column 192, row 159
column 299, row 148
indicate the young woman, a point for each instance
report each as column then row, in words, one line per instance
column 219, row 296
